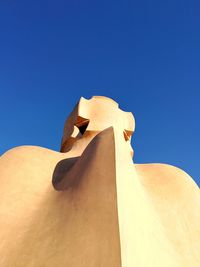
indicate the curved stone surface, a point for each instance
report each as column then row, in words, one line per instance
column 90, row 205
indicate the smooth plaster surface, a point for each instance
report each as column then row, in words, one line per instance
column 90, row 205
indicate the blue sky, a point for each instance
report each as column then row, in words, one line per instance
column 143, row 54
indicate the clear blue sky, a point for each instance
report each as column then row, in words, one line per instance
column 143, row 54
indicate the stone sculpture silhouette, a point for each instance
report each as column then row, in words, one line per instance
column 90, row 205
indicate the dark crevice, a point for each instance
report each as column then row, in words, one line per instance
column 83, row 126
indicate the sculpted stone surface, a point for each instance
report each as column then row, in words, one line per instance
column 90, row 205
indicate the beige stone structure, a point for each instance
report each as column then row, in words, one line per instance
column 90, row 205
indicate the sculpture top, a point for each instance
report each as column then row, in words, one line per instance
column 91, row 116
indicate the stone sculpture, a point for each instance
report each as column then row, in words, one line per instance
column 90, row 205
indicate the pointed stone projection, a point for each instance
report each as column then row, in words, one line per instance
column 90, row 205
